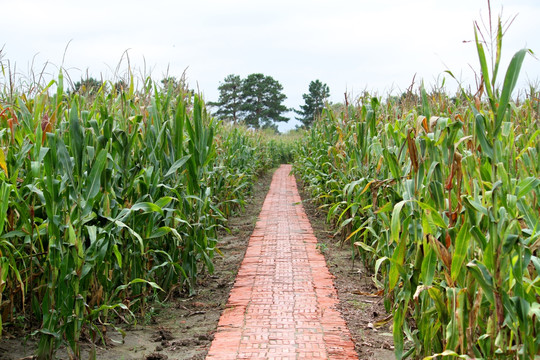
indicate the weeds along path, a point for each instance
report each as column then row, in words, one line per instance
column 282, row 305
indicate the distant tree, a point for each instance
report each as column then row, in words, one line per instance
column 262, row 104
column 230, row 98
column 314, row 103
column 175, row 84
column 120, row 86
column 87, row 86
column 409, row 99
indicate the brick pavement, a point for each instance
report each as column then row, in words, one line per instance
column 282, row 305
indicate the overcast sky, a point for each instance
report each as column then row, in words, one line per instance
column 352, row 46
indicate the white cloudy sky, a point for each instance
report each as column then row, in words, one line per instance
column 350, row 45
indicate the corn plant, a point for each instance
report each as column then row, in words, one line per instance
column 110, row 199
column 439, row 198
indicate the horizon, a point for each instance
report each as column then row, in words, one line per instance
column 377, row 48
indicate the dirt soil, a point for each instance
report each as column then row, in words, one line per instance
column 183, row 327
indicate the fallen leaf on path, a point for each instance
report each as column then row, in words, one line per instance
column 384, row 321
column 377, row 294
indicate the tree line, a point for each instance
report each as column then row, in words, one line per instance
column 257, row 101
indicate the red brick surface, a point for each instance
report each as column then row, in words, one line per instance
column 282, row 305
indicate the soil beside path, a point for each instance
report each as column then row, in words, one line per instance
column 283, row 303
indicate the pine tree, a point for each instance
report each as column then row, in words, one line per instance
column 314, row 103
column 230, row 98
column 262, row 104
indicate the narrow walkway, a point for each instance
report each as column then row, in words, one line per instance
column 282, row 305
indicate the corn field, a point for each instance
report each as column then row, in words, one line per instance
column 111, row 198
column 439, row 197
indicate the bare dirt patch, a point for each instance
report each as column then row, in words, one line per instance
column 360, row 304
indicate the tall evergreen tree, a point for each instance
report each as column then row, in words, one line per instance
column 314, row 103
column 262, row 104
column 230, row 98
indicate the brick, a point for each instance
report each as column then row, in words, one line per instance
column 283, row 303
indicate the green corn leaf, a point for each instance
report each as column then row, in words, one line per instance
column 164, row 201
column 179, row 121
column 510, row 81
column 529, row 216
column 399, row 317
column 378, row 264
column 531, row 143
column 76, row 136
column 527, row 185
column 498, row 51
column 440, row 304
column 433, row 214
column 4, row 202
column 59, row 93
column 522, row 308
column 475, row 205
column 425, row 103
column 118, row 255
column 392, row 163
column 429, row 263
column 208, row 262
column 484, row 67
column 13, row 234
column 460, row 251
column 333, row 210
column 94, row 179
column 147, row 207
column 487, row 147
column 177, row 165
column 162, row 231
column 396, row 262
column 102, row 308
column 365, row 246
column 484, row 278
column 395, row 227
column 385, row 208
column 65, row 160
column 131, row 231
column 481, row 238
column 452, row 336
column 48, row 332
column 536, row 262
column 139, row 281
column 437, row 193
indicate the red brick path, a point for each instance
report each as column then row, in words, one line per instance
column 282, row 305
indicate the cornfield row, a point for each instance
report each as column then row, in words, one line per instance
column 111, row 198
column 440, row 199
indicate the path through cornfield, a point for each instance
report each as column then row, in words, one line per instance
column 282, row 305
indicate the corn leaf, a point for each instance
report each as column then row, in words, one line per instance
column 3, row 164
column 94, row 179
column 460, row 251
